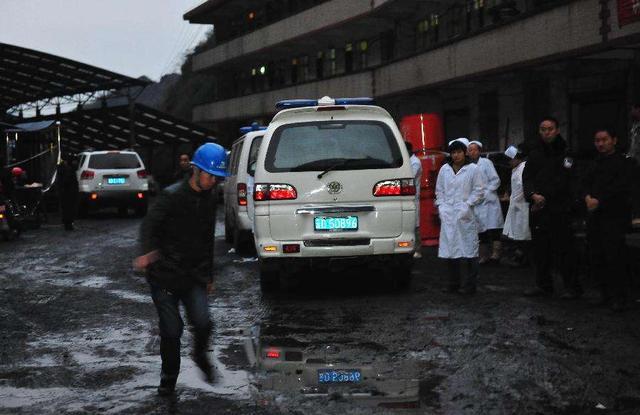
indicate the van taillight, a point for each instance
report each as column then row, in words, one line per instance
column 395, row 187
column 142, row 174
column 87, row 175
column 270, row 191
column 242, row 194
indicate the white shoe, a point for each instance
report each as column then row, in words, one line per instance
column 417, row 255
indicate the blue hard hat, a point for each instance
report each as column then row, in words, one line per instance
column 212, row 158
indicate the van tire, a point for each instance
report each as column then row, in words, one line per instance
column 269, row 279
column 402, row 278
column 228, row 231
column 243, row 242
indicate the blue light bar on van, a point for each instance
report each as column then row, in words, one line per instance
column 253, row 127
column 301, row 103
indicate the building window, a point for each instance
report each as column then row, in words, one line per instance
column 333, row 67
column 320, row 65
column 294, row 71
column 364, row 54
column 348, row 57
column 304, row 63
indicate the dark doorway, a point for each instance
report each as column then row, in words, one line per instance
column 588, row 114
column 456, row 123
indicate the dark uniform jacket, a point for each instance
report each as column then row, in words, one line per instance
column 548, row 172
column 609, row 181
column 180, row 225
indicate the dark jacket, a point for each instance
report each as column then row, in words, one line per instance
column 180, row 224
column 549, row 172
column 609, row 181
column 67, row 181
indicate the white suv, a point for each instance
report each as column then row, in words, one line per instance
column 112, row 179
column 333, row 182
column 238, row 191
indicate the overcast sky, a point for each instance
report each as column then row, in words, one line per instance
column 131, row 37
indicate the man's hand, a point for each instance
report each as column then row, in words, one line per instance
column 141, row 263
column 538, row 199
column 592, row 203
column 210, row 288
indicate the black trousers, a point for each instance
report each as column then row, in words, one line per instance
column 554, row 248
column 608, row 254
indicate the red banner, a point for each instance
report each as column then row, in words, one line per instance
column 628, row 12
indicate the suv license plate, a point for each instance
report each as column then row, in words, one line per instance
column 339, row 376
column 335, row 224
column 116, row 180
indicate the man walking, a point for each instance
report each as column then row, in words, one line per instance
column 177, row 238
column 547, row 187
column 607, row 200
column 68, row 191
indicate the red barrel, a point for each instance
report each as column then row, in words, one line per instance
column 426, row 133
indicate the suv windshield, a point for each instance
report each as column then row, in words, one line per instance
column 114, row 161
column 343, row 145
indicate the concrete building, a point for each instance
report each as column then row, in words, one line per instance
column 491, row 68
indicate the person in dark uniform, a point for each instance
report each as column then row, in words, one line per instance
column 68, row 191
column 184, row 168
column 607, row 198
column 547, row 182
column 177, row 238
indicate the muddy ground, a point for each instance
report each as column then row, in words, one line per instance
column 78, row 335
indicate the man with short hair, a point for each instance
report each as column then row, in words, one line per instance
column 177, row 238
column 184, row 168
column 607, row 197
column 547, row 187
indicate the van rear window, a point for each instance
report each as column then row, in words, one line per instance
column 114, row 161
column 339, row 145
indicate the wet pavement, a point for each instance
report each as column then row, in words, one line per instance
column 78, row 335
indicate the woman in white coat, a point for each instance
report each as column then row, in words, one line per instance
column 458, row 189
column 489, row 212
column 516, row 226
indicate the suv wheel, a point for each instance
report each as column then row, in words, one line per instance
column 141, row 209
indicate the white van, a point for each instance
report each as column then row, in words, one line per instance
column 112, row 179
column 238, row 190
column 333, row 182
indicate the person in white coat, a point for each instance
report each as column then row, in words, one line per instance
column 459, row 188
column 416, row 168
column 516, row 225
column 489, row 212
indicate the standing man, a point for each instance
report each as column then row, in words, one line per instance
column 184, row 168
column 489, row 212
column 459, row 188
column 416, row 168
column 177, row 238
column 634, row 154
column 547, row 187
column 68, row 191
column 607, row 200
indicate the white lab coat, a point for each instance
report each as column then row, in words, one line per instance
column 516, row 226
column 456, row 195
column 416, row 167
column 489, row 212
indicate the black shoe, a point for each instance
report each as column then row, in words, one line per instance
column 537, row 292
column 601, row 301
column 571, row 295
column 451, row 289
column 202, row 361
column 167, row 386
column 619, row 306
column 467, row 291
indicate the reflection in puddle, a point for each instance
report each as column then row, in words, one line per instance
column 297, row 369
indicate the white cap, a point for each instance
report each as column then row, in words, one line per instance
column 511, row 152
column 476, row 142
column 463, row 140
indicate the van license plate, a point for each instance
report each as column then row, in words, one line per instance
column 335, row 224
column 116, row 180
column 339, row 376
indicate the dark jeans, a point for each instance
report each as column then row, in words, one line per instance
column 171, row 324
column 608, row 253
column 554, row 247
column 455, row 272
